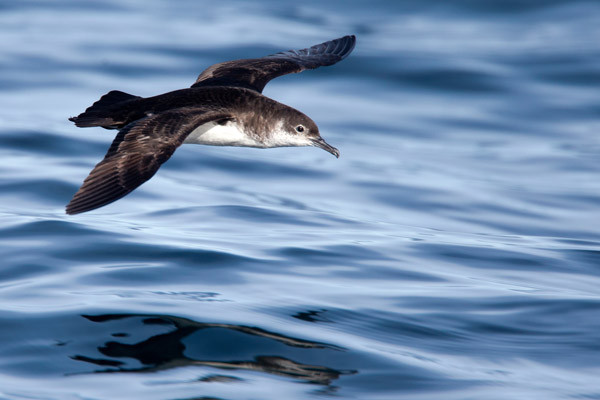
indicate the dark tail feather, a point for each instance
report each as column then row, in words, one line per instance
column 100, row 113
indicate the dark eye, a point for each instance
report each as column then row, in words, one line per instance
column 300, row 128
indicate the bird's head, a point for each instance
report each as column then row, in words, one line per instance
column 296, row 129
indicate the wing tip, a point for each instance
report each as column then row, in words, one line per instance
column 71, row 211
column 82, row 204
column 78, row 205
column 349, row 42
column 339, row 48
column 73, row 208
column 95, row 192
column 350, row 38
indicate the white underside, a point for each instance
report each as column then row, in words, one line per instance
column 213, row 134
column 229, row 134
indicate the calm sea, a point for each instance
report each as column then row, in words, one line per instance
column 452, row 252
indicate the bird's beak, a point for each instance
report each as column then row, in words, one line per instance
column 319, row 142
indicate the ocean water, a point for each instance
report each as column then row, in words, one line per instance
column 452, row 252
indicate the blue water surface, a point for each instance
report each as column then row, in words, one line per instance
column 452, row 252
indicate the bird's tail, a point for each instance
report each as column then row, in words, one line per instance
column 102, row 112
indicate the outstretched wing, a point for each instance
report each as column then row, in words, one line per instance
column 138, row 151
column 255, row 73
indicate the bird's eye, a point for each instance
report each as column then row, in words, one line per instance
column 300, row 128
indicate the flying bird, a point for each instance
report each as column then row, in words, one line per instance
column 224, row 107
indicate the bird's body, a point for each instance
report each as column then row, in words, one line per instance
column 225, row 107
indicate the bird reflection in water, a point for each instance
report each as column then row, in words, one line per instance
column 167, row 350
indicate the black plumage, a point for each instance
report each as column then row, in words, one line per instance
column 152, row 128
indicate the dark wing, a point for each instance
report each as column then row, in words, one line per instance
column 136, row 154
column 255, row 73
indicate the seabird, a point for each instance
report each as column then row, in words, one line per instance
column 224, row 107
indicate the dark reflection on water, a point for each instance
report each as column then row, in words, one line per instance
column 168, row 350
column 311, row 316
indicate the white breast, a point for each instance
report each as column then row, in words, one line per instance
column 229, row 134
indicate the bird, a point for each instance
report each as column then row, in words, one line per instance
column 224, row 107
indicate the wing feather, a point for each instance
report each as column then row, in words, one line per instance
column 136, row 153
column 255, row 73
